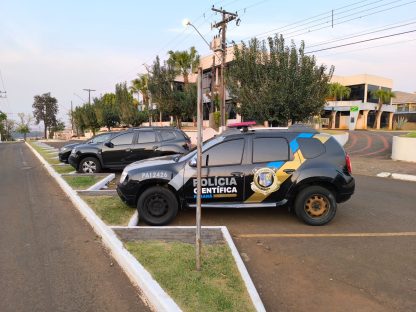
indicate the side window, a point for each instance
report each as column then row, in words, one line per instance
column 270, row 149
column 226, row 153
column 311, row 148
column 146, row 137
column 123, row 139
column 167, row 135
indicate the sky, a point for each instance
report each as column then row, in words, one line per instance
column 63, row 47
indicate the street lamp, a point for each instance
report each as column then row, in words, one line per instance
column 221, row 58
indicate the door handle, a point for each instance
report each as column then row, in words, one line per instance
column 128, row 149
column 289, row 171
column 237, row 174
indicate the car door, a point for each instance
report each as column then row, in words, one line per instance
column 271, row 166
column 222, row 175
column 118, row 151
column 145, row 146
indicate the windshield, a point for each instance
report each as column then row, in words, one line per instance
column 100, row 138
column 205, row 145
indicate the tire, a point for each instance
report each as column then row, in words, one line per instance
column 315, row 205
column 89, row 165
column 157, row 206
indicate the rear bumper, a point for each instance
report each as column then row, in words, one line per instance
column 346, row 190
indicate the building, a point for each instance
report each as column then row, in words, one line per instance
column 358, row 111
column 405, row 105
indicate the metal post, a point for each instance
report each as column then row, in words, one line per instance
column 198, row 174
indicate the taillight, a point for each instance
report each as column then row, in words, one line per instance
column 348, row 163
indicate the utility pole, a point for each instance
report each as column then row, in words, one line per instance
column 89, row 94
column 222, row 26
column 199, row 174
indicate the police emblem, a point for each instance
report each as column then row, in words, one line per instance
column 265, row 181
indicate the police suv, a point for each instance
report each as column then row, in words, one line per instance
column 307, row 170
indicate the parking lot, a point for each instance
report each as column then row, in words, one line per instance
column 363, row 260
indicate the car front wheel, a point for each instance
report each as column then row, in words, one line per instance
column 89, row 165
column 157, row 206
column 315, row 205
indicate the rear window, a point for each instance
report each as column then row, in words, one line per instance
column 311, row 147
column 270, row 149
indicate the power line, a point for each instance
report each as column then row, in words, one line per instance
column 361, row 41
column 368, row 48
column 359, row 34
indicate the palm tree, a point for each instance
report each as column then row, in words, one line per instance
column 140, row 85
column 383, row 96
column 338, row 91
column 184, row 62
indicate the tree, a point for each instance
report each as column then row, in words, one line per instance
column 45, row 108
column 184, row 62
column 276, row 83
column 129, row 114
column 89, row 118
column 77, row 114
column 384, row 96
column 338, row 91
column 140, row 85
column 59, row 126
column 107, row 112
column 23, row 126
column 3, row 118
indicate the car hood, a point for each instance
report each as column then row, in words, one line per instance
column 71, row 146
column 157, row 161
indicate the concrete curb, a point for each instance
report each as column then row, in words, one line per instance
column 397, row 176
column 134, row 220
column 251, row 289
column 341, row 138
column 155, row 295
column 100, row 184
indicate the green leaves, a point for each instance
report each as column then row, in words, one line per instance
column 275, row 82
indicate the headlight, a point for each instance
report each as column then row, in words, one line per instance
column 123, row 177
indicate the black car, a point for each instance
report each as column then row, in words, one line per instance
column 298, row 167
column 65, row 150
column 129, row 146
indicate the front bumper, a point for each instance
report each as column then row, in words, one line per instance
column 63, row 157
column 128, row 197
column 73, row 161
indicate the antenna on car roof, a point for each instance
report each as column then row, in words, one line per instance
column 243, row 126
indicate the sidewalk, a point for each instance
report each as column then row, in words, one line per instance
column 373, row 166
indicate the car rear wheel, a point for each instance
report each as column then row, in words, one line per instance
column 89, row 165
column 315, row 205
column 157, row 206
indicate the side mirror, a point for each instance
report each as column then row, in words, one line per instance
column 109, row 144
column 192, row 162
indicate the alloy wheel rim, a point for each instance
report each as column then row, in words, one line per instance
column 89, row 167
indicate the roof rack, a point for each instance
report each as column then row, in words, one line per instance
column 302, row 128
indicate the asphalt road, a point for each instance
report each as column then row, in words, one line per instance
column 50, row 258
column 351, row 271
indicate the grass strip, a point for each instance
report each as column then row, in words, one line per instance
column 50, row 158
column 217, row 287
column 81, row 182
column 410, row 135
column 64, row 169
column 110, row 209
